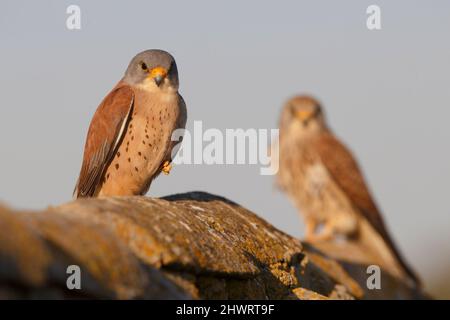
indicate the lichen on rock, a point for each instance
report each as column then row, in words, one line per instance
column 187, row 246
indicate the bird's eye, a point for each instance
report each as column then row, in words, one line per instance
column 144, row 66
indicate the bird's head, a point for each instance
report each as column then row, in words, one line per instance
column 153, row 70
column 304, row 115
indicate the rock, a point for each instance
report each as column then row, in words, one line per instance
column 187, row 246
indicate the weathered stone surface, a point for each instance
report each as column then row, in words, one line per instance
column 36, row 249
column 192, row 245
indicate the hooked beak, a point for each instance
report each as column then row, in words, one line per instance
column 158, row 74
column 304, row 115
column 158, row 80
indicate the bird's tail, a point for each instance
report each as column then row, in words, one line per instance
column 384, row 246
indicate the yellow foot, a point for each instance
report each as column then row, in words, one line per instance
column 166, row 167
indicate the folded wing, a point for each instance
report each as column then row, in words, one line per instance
column 105, row 133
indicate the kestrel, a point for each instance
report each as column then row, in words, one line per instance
column 325, row 183
column 129, row 139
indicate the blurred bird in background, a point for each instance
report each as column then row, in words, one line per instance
column 321, row 177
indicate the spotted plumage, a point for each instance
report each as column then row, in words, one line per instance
column 124, row 149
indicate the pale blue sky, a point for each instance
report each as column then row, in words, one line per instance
column 385, row 93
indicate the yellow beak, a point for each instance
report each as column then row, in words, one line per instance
column 158, row 74
column 303, row 115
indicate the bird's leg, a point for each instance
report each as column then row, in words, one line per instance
column 326, row 234
column 344, row 225
column 310, row 230
column 167, row 166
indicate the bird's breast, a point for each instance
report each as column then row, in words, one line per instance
column 316, row 178
column 144, row 146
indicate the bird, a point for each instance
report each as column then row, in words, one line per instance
column 129, row 142
column 324, row 181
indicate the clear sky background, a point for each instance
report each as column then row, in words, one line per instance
column 386, row 94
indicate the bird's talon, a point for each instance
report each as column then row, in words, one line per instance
column 167, row 166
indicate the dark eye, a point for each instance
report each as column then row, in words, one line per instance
column 144, row 66
column 292, row 109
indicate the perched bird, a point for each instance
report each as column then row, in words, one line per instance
column 129, row 139
column 325, row 183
